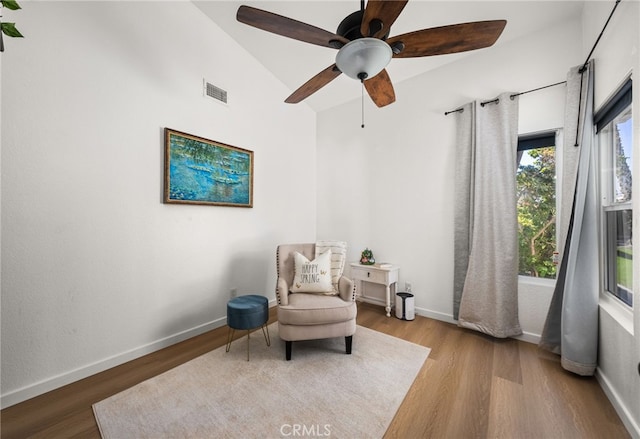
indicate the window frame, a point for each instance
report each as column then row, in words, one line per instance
column 536, row 140
column 619, row 104
column 609, row 245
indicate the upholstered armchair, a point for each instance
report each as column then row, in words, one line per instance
column 309, row 316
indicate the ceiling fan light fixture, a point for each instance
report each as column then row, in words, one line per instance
column 363, row 58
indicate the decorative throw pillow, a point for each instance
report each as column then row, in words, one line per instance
column 312, row 276
column 338, row 258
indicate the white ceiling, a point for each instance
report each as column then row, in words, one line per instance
column 294, row 62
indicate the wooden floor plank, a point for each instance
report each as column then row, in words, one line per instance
column 471, row 386
column 509, row 417
column 474, row 389
column 507, row 360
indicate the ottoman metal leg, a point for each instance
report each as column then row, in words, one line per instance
column 230, row 333
column 248, row 342
column 230, row 339
column 267, row 337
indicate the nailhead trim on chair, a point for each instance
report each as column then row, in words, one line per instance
column 278, row 272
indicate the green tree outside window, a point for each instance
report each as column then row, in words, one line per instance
column 536, row 190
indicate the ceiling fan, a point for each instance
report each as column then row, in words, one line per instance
column 364, row 46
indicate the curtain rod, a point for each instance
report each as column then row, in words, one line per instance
column 536, row 89
column 582, row 69
column 511, row 96
column 586, row 62
column 584, row 66
column 457, row 110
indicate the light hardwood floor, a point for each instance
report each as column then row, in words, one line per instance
column 471, row 386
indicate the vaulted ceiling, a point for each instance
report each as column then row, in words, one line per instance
column 294, row 62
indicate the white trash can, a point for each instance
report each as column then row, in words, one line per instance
column 405, row 306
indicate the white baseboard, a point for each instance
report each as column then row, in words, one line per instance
column 621, row 409
column 33, row 390
column 529, row 337
column 436, row 315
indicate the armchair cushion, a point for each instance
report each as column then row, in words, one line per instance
column 312, row 309
column 312, row 276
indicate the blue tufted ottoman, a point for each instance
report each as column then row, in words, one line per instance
column 247, row 312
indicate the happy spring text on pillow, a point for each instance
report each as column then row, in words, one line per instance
column 309, row 273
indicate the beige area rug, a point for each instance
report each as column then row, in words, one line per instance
column 321, row 392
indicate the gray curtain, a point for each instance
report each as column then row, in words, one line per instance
column 463, row 211
column 486, row 205
column 571, row 328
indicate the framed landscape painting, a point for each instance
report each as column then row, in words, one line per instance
column 202, row 171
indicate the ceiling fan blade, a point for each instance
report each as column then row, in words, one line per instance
column 288, row 27
column 380, row 89
column 314, row 84
column 379, row 15
column 448, row 39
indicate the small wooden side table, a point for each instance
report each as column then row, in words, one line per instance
column 386, row 275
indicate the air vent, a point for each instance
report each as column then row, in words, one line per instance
column 215, row 92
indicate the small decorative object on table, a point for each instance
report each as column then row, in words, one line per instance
column 367, row 257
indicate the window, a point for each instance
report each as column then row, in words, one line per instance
column 614, row 125
column 536, row 190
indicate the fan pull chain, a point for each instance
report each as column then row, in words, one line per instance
column 362, row 95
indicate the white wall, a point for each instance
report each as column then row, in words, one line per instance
column 96, row 270
column 615, row 58
column 399, row 170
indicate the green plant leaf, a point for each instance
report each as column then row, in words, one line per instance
column 11, row 4
column 9, row 29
